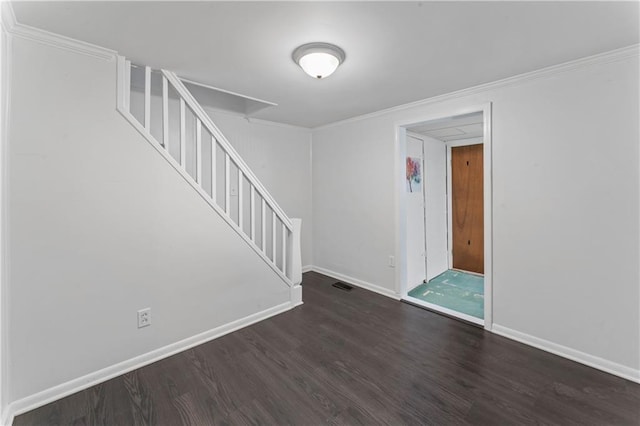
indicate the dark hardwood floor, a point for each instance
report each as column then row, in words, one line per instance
column 353, row 358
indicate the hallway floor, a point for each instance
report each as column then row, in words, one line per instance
column 347, row 358
column 455, row 290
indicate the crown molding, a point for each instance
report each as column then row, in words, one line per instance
column 599, row 59
column 16, row 29
column 7, row 15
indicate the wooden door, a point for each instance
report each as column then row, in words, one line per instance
column 467, row 204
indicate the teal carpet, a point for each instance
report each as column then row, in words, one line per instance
column 454, row 290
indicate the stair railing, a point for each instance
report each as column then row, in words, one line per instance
column 267, row 229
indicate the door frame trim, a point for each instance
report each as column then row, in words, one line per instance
column 424, row 202
column 449, row 145
column 401, row 199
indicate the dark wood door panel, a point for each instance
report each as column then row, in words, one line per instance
column 467, row 187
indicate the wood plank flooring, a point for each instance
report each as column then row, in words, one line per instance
column 353, row 358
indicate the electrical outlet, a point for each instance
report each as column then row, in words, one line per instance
column 392, row 261
column 144, row 317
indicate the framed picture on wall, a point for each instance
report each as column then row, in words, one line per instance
column 414, row 175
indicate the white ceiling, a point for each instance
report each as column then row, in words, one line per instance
column 397, row 52
column 455, row 128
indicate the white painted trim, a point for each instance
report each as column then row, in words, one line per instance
column 241, row 202
column 295, row 263
column 296, row 296
column 400, row 197
column 132, row 120
column 252, row 211
column 423, row 194
column 227, row 184
column 283, row 231
column 165, row 116
column 183, row 136
column 8, row 16
column 599, row 59
column 263, row 227
column 569, row 353
column 449, row 209
column 444, row 310
column 60, row 391
column 274, row 236
column 214, row 169
column 357, row 282
column 5, row 121
column 147, row 98
column 307, row 268
column 7, row 417
column 487, row 120
column 199, row 161
column 51, row 39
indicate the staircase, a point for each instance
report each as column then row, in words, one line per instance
column 161, row 108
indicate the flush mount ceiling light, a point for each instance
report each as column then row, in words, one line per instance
column 319, row 60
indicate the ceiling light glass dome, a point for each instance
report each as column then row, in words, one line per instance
column 319, row 60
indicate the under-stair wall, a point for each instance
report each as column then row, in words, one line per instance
column 102, row 226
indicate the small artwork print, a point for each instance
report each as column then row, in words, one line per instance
column 414, row 176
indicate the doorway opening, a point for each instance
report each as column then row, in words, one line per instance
column 444, row 214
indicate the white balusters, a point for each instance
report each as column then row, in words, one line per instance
column 165, row 113
column 198, row 152
column 284, row 249
column 240, row 205
column 263, row 227
column 147, row 99
column 127, row 83
column 183, row 135
column 273, row 237
column 295, row 252
column 214, row 165
column 252, row 208
column 227, row 184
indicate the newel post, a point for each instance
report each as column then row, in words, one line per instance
column 296, row 252
column 296, row 263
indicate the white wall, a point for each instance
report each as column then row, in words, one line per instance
column 4, row 55
column 101, row 226
column 435, row 172
column 565, row 204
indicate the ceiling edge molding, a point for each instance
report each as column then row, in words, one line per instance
column 8, row 17
column 599, row 59
column 13, row 27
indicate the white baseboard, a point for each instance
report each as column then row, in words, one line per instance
column 296, row 296
column 6, row 418
column 60, row 391
column 355, row 281
column 307, row 268
column 569, row 353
